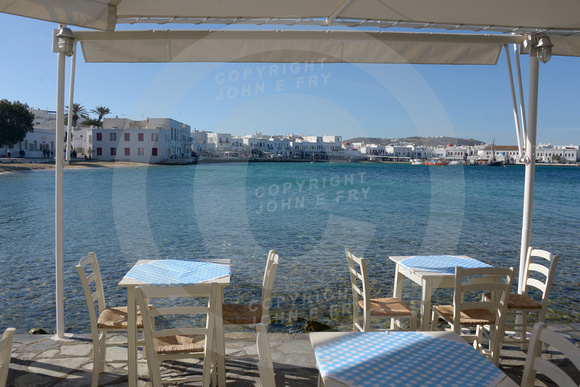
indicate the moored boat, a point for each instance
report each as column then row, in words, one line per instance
column 437, row 162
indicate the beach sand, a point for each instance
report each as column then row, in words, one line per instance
column 31, row 166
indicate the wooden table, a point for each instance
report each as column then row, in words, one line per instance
column 431, row 272
column 399, row 358
column 174, row 273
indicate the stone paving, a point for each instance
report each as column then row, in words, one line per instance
column 42, row 360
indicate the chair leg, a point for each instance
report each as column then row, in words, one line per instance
column 413, row 322
column 524, row 331
column 96, row 364
column 433, row 320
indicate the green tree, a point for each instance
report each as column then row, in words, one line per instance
column 556, row 158
column 93, row 122
column 78, row 111
column 101, row 111
column 15, row 121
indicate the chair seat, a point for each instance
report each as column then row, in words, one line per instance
column 116, row 318
column 387, row 307
column 520, row 301
column 179, row 344
column 467, row 317
column 242, row 313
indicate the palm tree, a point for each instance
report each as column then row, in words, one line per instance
column 78, row 111
column 101, row 111
column 92, row 122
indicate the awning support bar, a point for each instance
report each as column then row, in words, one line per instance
column 522, row 101
column 514, row 101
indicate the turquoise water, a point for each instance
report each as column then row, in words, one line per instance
column 308, row 212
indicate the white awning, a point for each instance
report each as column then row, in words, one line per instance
column 292, row 46
column 511, row 16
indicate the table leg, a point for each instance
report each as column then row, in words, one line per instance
column 220, row 341
column 132, row 336
column 427, row 290
column 397, row 289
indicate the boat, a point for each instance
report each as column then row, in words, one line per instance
column 437, row 162
column 492, row 162
column 417, row 162
column 456, row 162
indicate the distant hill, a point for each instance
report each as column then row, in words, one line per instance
column 419, row 141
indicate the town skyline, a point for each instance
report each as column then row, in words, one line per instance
column 350, row 100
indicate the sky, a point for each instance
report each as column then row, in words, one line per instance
column 348, row 100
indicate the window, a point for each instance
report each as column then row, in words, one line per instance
column 127, row 151
column 127, row 136
column 140, row 136
column 113, row 151
column 141, row 151
column 154, row 152
column 153, row 136
column 99, row 136
column 113, row 136
column 99, row 151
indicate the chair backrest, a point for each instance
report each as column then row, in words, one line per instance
column 539, row 273
column 5, row 352
column 268, row 284
column 471, row 284
column 536, row 363
column 359, row 280
column 178, row 311
column 93, row 287
column 265, row 365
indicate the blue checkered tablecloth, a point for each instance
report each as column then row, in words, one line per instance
column 175, row 272
column 364, row 359
column 440, row 263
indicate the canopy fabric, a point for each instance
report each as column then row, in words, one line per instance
column 291, row 46
column 557, row 16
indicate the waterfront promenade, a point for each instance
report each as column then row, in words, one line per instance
column 40, row 360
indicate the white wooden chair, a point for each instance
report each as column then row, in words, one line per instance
column 383, row 308
column 542, row 336
column 471, row 309
column 540, row 268
column 179, row 329
column 265, row 365
column 103, row 319
column 252, row 313
column 5, row 352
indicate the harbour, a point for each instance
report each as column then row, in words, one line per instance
column 209, row 211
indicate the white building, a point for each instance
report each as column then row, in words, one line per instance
column 548, row 153
column 456, row 153
column 149, row 141
column 41, row 139
column 397, row 150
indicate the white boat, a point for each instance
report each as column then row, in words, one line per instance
column 417, row 162
column 456, row 162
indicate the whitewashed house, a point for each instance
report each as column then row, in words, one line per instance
column 150, row 141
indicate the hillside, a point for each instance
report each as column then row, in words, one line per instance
column 418, row 141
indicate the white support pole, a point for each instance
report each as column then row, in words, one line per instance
column 58, row 203
column 69, row 139
column 514, row 101
column 530, row 161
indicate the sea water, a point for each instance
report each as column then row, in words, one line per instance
column 309, row 213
